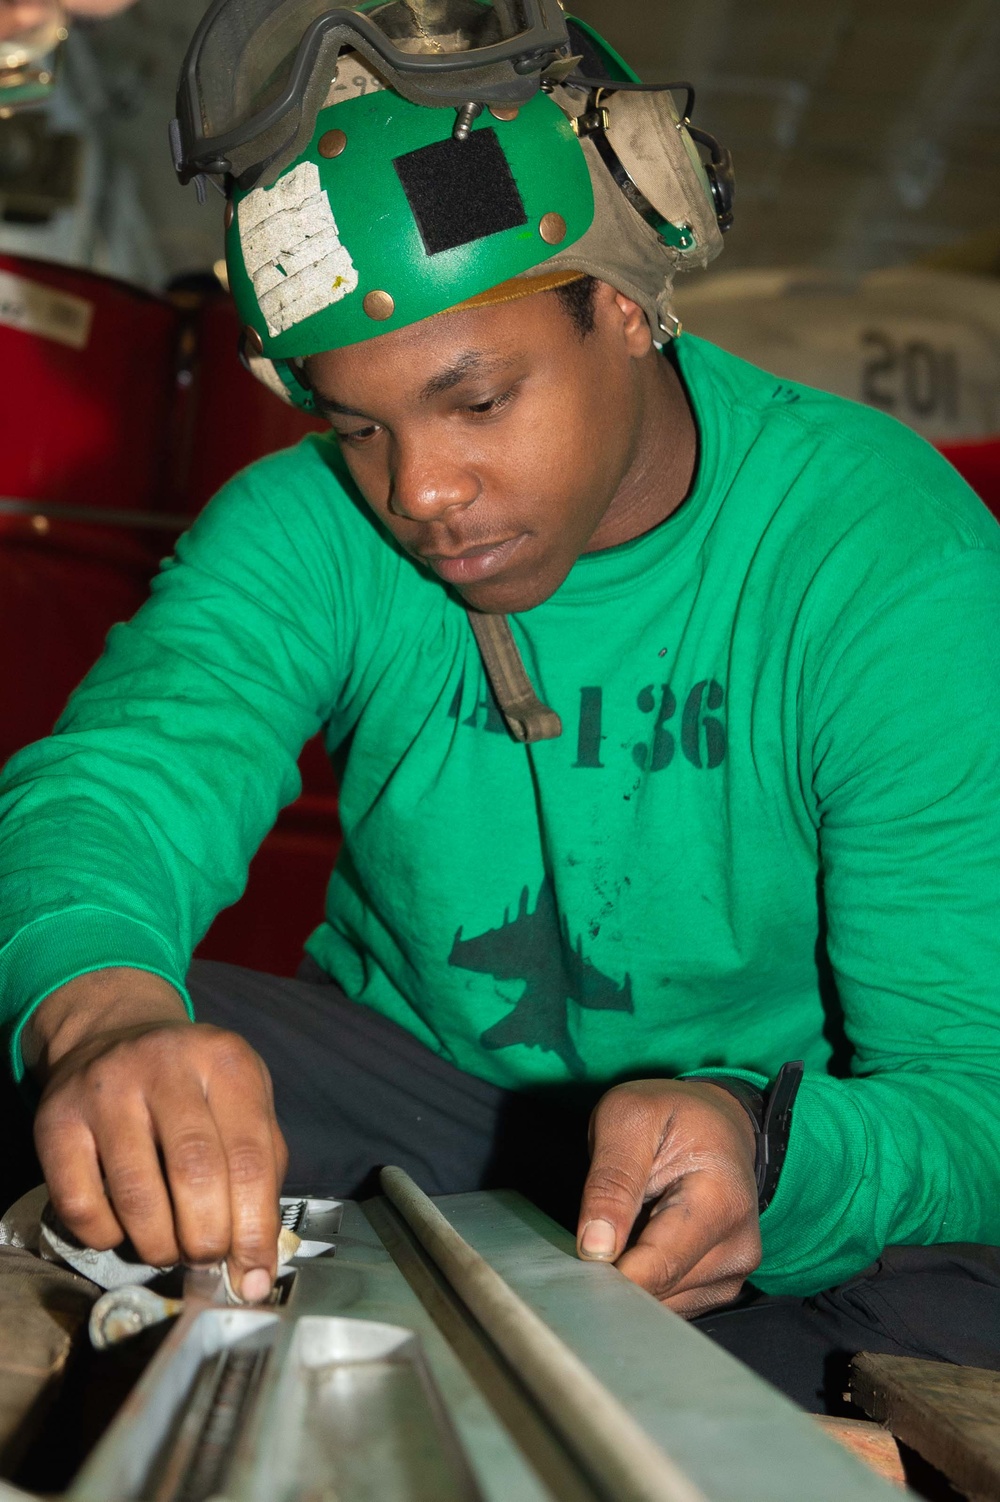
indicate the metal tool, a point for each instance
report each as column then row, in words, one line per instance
column 130, row 1304
column 308, row 1228
column 118, row 1268
column 126, row 1312
column 617, row 1449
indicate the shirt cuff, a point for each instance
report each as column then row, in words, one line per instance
column 760, row 1081
column 54, row 950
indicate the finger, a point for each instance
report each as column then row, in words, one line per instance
column 68, row 1155
column 195, row 1166
column 277, row 1136
column 707, row 1296
column 696, row 1218
column 135, row 1185
column 280, row 1153
column 627, row 1135
column 240, row 1100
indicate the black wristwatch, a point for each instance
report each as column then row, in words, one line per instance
column 771, row 1115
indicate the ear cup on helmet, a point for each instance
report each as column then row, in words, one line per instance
column 600, row 65
column 720, row 173
column 651, row 143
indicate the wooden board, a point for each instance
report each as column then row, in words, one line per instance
column 870, row 1443
column 949, row 1414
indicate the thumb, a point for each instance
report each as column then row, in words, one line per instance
column 626, row 1141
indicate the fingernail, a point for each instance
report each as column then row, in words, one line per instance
column 598, row 1240
column 256, row 1286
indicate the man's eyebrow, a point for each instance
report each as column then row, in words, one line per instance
column 472, row 363
column 329, row 407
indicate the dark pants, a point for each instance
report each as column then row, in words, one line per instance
column 354, row 1091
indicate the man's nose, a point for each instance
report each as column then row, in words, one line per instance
column 426, row 484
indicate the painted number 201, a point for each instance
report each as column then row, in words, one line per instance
column 912, row 378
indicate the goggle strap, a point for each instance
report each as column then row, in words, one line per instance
column 527, row 718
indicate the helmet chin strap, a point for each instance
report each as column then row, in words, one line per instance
column 528, row 719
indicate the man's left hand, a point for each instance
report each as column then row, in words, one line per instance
column 688, row 1148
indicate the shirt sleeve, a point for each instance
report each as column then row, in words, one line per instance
column 124, row 832
column 902, row 748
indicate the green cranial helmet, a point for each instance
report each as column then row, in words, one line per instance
column 386, row 219
column 389, row 160
column 392, row 208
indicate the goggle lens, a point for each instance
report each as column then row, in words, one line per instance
column 248, row 52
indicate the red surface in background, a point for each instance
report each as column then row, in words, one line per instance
column 979, row 463
column 62, row 589
column 88, row 426
column 229, row 419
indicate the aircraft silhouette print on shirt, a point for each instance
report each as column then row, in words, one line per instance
column 535, row 947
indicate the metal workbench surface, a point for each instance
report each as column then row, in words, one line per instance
column 458, row 1351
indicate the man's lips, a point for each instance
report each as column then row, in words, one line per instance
column 473, row 564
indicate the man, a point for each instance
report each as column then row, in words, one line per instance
column 754, row 820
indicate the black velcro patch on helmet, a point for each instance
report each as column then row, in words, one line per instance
column 460, row 191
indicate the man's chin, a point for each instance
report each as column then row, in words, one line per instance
column 503, row 597
column 520, row 589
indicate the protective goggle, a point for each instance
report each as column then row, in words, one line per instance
column 258, row 72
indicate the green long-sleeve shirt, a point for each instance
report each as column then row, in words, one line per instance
column 770, row 830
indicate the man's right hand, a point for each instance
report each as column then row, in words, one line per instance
column 157, row 1128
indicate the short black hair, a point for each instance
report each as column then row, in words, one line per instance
column 577, row 299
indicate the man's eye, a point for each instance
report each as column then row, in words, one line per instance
column 491, row 405
column 359, row 435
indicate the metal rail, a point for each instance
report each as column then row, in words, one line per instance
column 592, row 1422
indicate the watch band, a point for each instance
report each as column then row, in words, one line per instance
column 771, row 1117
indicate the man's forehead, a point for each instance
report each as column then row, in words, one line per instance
column 436, row 354
column 435, row 376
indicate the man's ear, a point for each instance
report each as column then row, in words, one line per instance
column 635, row 327
column 625, row 319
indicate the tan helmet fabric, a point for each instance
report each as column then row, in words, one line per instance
column 663, row 162
column 620, row 247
